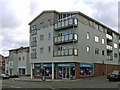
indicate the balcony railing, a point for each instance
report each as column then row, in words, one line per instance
column 34, row 32
column 33, row 55
column 65, row 39
column 109, row 37
column 110, row 48
column 33, row 43
column 66, row 23
column 109, row 57
column 65, row 52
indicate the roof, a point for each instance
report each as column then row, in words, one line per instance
column 74, row 12
column 19, row 48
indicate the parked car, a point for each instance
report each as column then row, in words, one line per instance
column 4, row 76
column 114, row 75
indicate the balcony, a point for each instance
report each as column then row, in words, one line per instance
column 109, row 57
column 65, row 52
column 66, row 23
column 109, row 37
column 33, row 55
column 33, row 43
column 109, row 48
column 65, row 39
column 34, row 32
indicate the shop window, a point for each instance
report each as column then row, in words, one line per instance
column 38, row 71
column 60, row 72
column 48, row 71
column 86, row 71
column 72, row 75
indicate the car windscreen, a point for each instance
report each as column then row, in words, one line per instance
column 115, row 72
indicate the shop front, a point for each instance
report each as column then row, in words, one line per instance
column 43, row 70
column 86, row 69
column 66, row 70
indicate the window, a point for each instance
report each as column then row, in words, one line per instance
column 49, row 22
column 96, row 39
column 96, row 51
column 49, row 49
column 103, row 52
column 19, row 58
column 23, row 58
column 103, row 41
column 49, row 35
column 96, row 26
column 88, row 35
column 115, row 55
column 41, row 37
column 41, row 25
column 115, row 45
column 41, row 50
column 88, row 49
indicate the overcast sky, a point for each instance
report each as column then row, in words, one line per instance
column 16, row 14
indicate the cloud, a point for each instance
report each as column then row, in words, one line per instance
column 9, row 19
column 106, row 12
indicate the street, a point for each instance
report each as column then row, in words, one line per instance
column 94, row 82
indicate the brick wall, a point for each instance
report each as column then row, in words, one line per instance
column 103, row 69
column 77, row 70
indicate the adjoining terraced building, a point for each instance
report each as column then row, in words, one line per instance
column 71, row 45
column 18, row 61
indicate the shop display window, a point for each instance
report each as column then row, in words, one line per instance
column 60, row 72
column 38, row 71
column 86, row 71
column 48, row 71
column 72, row 75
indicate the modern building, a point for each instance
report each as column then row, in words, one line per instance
column 71, row 45
column 18, row 61
column 2, row 64
column 119, row 16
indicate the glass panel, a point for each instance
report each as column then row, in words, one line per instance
column 59, row 39
column 63, row 23
column 60, row 72
column 59, row 53
column 75, row 21
column 59, row 24
column 66, row 22
column 75, row 36
column 63, row 53
column 70, row 36
column 55, row 39
column 70, row 51
column 70, row 21
column 75, row 51
column 63, row 38
column 66, row 37
column 66, row 52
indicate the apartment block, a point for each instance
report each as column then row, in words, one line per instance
column 71, row 45
column 18, row 61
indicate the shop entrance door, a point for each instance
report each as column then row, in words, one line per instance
column 66, row 72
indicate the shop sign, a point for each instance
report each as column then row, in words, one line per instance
column 47, row 65
column 66, row 65
column 37, row 65
column 86, row 65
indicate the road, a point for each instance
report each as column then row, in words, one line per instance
column 94, row 82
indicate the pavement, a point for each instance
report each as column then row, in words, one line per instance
column 28, row 78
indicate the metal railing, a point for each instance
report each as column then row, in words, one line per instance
column 65, row 52
column 65, row 38
column 66, row 23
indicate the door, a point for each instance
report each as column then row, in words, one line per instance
column 66, row 72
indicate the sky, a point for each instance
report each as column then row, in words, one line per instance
column 16, row 14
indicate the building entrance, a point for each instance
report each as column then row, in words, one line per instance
column 66, row 72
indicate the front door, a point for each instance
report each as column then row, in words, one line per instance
column 66, row 72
